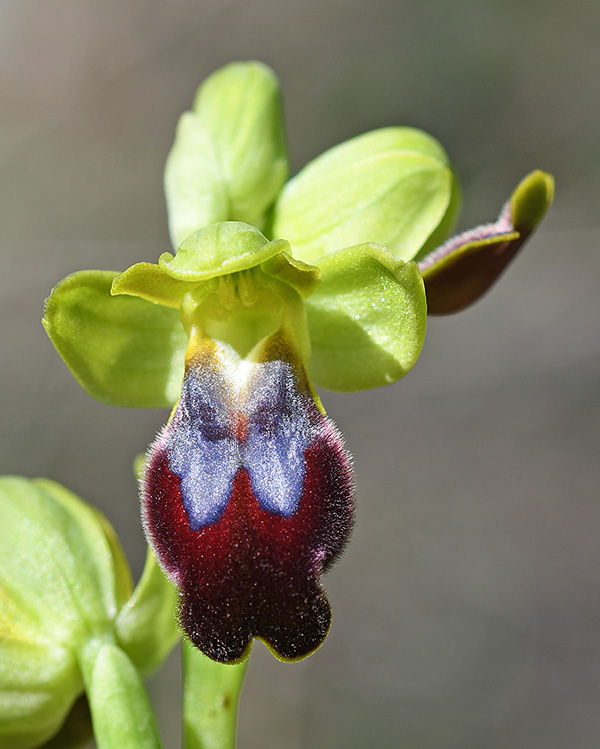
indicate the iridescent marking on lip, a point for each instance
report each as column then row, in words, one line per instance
column 201, row 445
column 264, row 427
column 282, row 424
column 247, row 500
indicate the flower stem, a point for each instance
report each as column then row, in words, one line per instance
column 211, row 693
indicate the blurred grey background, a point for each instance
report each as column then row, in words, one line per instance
column 466, row 609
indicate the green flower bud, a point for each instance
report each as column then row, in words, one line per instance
column 64, row 589
column 59, row 589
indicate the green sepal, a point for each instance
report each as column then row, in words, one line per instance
column 367, row 320
column 195, row 188
column 211, row 693
column 460, row 271
column 61, row 580
column 122, row 350
column 241, row 106
column 302, row 277
column 391, row 186
column 218, row 250
column 146, row 626
column 121, row 712
column 229, row 159
column 149, row 281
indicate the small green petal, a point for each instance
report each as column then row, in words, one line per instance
column 195, row 187
column 390, row 186
column 122, row 350
column 367, row 319
column 146, row 626
column 149, row 281
column 218, row 250
column 240, row 105
column 301, row 276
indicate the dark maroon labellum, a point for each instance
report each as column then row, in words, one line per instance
column 247, row 499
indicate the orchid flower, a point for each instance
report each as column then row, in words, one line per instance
column 247, row 492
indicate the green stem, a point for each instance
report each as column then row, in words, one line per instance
column 122, row 716
column 211, row 692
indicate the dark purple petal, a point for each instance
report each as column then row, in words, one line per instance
column 463, row 268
